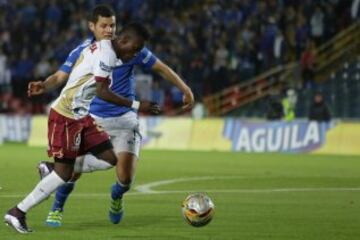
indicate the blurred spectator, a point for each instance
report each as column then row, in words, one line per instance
column 308, row 65
column 355, row 9
column 42, row 68
column 143, row 86
column 22, row 72
column 279, row 48
column 317, row 25
column 53, row 12
column 289, row 104
column 319, row 111
column 158, row 94
column 198, row 111
column 195, row 77
column 176, row 97
column 5, row 75
column 301, row 35
column 274, row 108
column 221, row 59
column 217, row 42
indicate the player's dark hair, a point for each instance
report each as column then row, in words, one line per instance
column 101, row 10
column 138, row 29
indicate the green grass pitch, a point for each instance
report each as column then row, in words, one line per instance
column 257, row 196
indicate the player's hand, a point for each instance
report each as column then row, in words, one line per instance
column 149, row 107
column 36, row 88
column 188, row 100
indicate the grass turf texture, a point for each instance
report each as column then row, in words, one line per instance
column 257, row 196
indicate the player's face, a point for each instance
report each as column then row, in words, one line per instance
column 104, row 28
column 128, row 46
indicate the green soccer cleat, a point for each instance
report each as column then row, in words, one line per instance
column 116, row 210
column 54, row 218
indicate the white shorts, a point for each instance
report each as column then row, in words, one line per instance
column 123, row 131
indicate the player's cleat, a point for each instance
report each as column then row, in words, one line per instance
column 44, row 168
column 16, row 222
column 116, row 210
column 54, row 218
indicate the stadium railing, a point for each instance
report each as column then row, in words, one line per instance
column 243, row 93
column 342, row 47
column 345, row 46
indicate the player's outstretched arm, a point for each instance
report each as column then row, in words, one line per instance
column 52, row 82
column 167, row 73
column 103, row 92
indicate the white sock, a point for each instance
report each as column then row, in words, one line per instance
column 90, row 163
column 42, row 190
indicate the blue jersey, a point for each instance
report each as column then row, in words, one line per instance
column 74, row 55
column 122, row 83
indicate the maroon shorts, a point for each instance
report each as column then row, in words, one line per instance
column 69, row 138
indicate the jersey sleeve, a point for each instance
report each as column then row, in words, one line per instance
column 73, row 56
column 104, row 64
column 146, row 59
column 70, row 61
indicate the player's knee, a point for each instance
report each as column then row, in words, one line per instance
column 105, row 152
column 64, row 175
column 111, row 159
column 64, row 168
column 108, row 156
column 75, row 177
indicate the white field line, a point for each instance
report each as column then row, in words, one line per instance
column 147, row 189
column 272, row 190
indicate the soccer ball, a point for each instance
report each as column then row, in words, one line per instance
column 198, row 209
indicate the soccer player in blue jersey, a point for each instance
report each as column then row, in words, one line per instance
column 121, row 123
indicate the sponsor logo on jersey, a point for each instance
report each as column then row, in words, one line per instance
column 147, row 58
column 105, row 67
column 68, row 63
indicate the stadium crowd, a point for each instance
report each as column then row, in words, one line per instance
column 211, row 43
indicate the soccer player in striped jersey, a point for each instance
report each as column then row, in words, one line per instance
column 72, row 132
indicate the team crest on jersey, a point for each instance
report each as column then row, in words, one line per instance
column 105, row 67
column 77, row 142
column 93, row 47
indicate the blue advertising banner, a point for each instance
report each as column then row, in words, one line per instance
column 279, row 136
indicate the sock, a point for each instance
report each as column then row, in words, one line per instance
column 90, row 163
column 61, row 196
column 118, row 189
column 42, row 190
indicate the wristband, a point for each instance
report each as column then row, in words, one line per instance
column 135, row 105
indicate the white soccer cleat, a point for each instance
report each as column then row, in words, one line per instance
column 19, row 224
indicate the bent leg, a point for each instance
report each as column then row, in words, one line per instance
column 60, row 175
column 55, row 215
column 105, row 152
column 90, row 163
